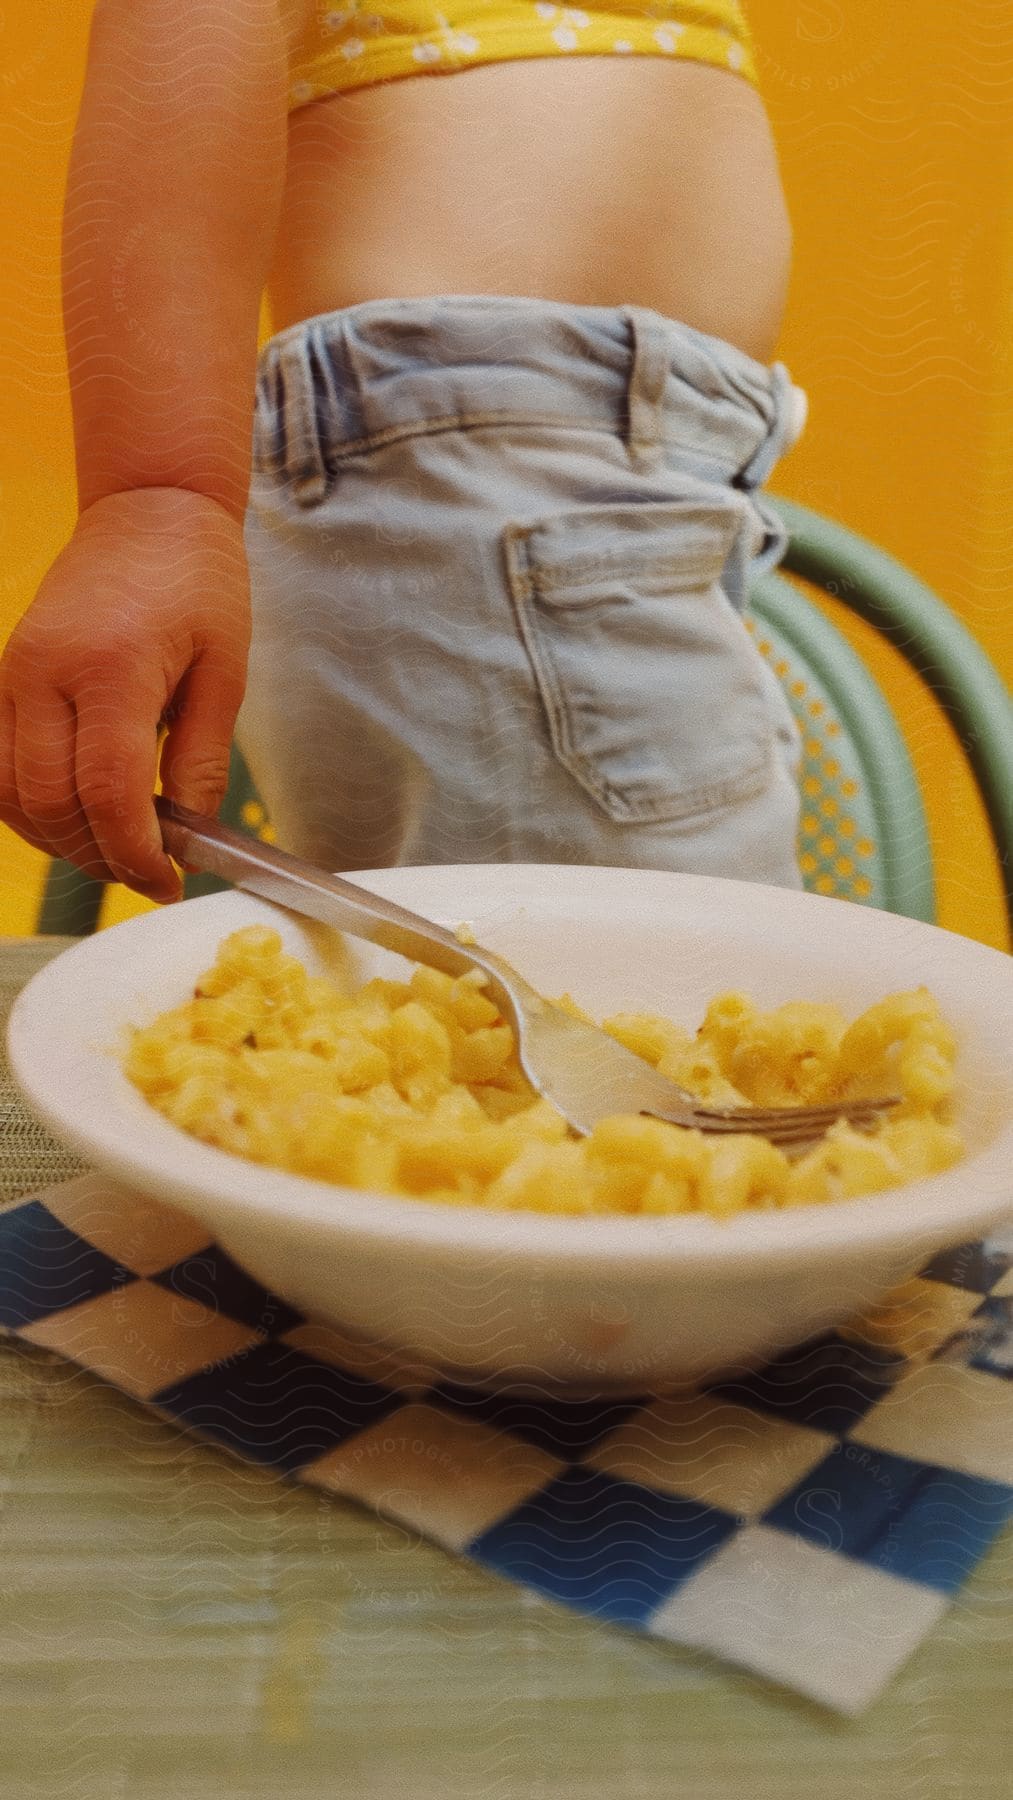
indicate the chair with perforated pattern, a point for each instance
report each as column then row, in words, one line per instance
column 863, row 832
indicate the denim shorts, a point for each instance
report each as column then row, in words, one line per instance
column 500, row 552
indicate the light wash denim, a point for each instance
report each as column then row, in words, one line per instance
column 500, row 551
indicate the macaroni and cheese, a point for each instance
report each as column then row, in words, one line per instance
column 414, row 1088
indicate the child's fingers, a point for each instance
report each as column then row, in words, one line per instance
column 11, row 810
column 44, row 777
column 114, row 774
column 195, row 754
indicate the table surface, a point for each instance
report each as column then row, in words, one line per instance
column 178, row 1625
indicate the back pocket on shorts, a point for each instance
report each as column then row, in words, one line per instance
column 650, row 683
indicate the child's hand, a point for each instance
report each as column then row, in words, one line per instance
column 143, row 619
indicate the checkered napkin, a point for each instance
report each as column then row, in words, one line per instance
column 809, row 1521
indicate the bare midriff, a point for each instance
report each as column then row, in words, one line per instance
column 596, row 181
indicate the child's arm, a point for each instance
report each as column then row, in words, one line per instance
column 171, row 211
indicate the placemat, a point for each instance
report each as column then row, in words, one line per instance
column 809, row 1521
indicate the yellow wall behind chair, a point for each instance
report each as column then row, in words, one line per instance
column 893, row 122
column 894, row 125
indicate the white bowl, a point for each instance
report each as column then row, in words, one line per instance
column 605, row 1303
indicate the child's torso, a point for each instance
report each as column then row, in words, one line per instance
column 603, row 179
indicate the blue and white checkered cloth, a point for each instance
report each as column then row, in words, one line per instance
column 809, row 1521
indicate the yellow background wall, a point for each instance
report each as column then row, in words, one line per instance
column 895, row 123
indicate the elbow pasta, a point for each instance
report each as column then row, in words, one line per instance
column 414, row 1088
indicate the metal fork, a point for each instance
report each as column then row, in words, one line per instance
column 585, row 1073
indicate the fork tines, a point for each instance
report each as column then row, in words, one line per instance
column 788, row 1125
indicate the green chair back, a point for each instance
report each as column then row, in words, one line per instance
column 863, row 834
column 943, row 653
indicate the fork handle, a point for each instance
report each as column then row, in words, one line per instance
column 272, row 874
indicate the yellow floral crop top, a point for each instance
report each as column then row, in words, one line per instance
column 356, row 43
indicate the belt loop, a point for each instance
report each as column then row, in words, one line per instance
column 647, row 385
column 261, row 451
column 268, row 429
column 304, row 463
column 788, row 414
